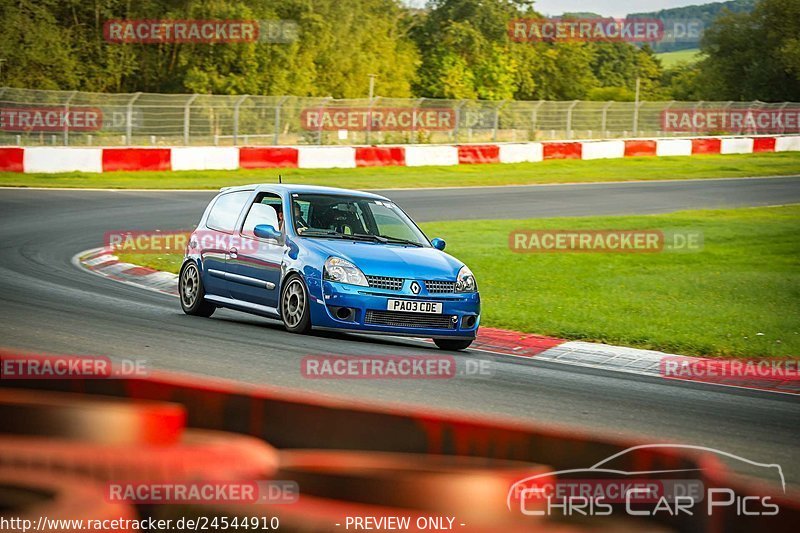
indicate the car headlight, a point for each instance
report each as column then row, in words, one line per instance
column 339, row 270
column 465, row 282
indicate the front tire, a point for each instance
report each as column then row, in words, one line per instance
column 453, row 344
column 192, row 293
column 295, row 305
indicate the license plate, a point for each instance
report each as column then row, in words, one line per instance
column 413, row 306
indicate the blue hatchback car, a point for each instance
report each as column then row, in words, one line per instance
column 319, row 257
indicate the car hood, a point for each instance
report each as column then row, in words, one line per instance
column 376, row 259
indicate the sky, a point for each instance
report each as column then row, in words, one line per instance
column 607, row 8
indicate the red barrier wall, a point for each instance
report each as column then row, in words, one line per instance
column 639, row 148
column 11, row 159
column 562, row 150
column 478, row 153
column 763, row 144
column 267, row 157
column 706, row 146
column 380, row 156
column 136, row 159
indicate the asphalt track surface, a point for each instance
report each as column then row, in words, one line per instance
column 47, row 304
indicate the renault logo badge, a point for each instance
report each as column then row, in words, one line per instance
column 415, row 287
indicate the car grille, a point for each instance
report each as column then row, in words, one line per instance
column 382, row 282
column 408, row 320
column 440, row 287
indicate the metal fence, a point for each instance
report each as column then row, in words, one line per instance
column 145, row 119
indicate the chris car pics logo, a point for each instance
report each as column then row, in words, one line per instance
column 601, row 490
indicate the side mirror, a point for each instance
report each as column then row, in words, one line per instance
column 438, row 243
column 266, row 231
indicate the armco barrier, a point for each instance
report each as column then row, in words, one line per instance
column 705, row 146
column 380, row 156
column 11, row 159
column 787, row 144
column 267, row 157
column 419, row 155
column 64, row 159
column 478, row 153
column 763, row 144
column 603, row 150
column 136, row 159
column 637, row 148
column 668, row 147
column 205, row 158
column 736, row 146
column 326, row 157
column 521, row 153
column 289, row 419
column 46, row 159
column 568, row 150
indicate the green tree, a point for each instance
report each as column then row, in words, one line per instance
column 560, row 71
column 60, row 45
column 467, row 53
column 618, row 65
column 37, row 50
column 754, row 55
column 342, row 43
column 605, row 94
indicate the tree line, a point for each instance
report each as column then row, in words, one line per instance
column 449, row 49
column 705, row 13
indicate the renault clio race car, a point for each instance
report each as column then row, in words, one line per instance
column 319, row 257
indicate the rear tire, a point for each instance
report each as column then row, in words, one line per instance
column 295, row 305
column 453, row 344
column 192, row 293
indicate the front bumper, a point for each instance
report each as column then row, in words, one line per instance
column 460, row 315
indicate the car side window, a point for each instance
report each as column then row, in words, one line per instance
column 226, row 211
column 266, row 209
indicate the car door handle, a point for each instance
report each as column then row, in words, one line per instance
column 233, row 252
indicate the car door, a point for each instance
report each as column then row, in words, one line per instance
column 256, row 268
column 216, row 239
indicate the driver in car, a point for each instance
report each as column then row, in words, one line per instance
column 300, row 222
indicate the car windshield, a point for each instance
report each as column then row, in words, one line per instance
column 339, row 216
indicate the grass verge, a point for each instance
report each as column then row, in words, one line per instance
column 551, row 171
column 672, row 59
column 738, row 296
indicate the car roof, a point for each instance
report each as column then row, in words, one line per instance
column 301, row 189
